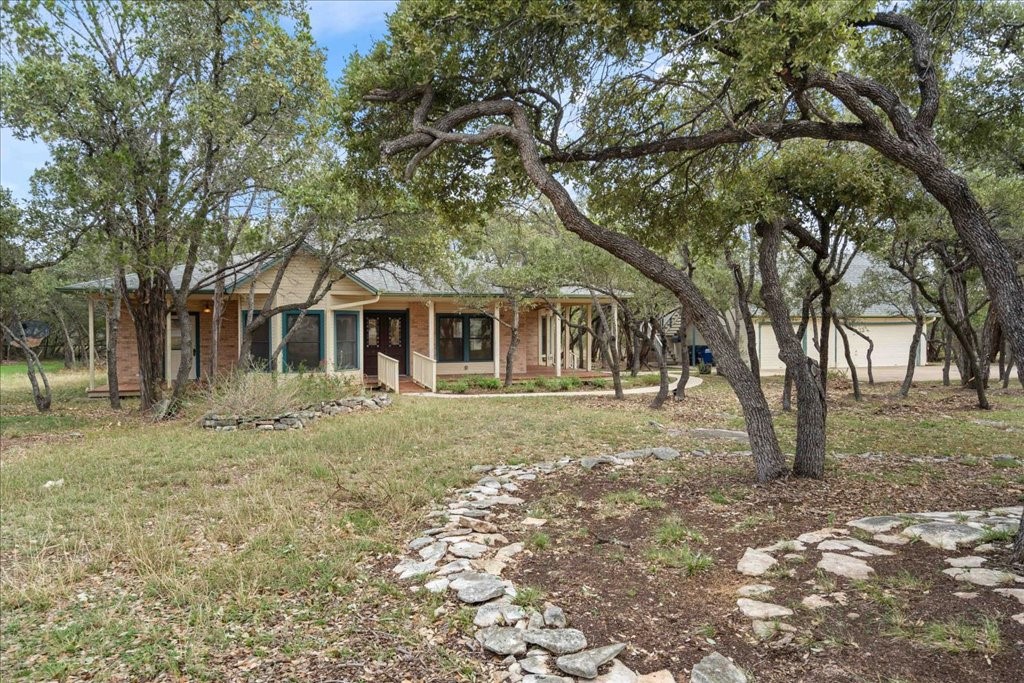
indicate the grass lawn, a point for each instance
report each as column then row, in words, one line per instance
column 174, row 551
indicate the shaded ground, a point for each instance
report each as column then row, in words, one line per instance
column 601, row 556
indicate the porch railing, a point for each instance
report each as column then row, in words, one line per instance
column 387, row 372
column 424, row 371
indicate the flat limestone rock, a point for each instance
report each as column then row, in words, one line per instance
column 1012, row 593
column 508, row 552
column 467, row 549
column 537, row 664
column 617, row 673
column 488, row 615
column 477, row 587
column 945, row 535
column 536, row 678
column 816, row 602
column 502, row 640
column 789, row 546
column 968, row 561
column 716, row 669
column 877, row 525
column 585, row 664
column 406, row 569
column 755, row 609
column 453, row 567
column 438, row 585
column 892, row 539
column 734, row 434
column 842, row 565
column 663, row 676
column 554, row 616
column 820, row 535
column 559, row 641
column 764, row 630
column 979, row 576
column 833, row 544
column 755, row 563
column 865, row 547
column 754, row 590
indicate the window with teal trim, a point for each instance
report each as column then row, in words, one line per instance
column 464, row 338
column 259, row 350
column 346, row 341
column 304, row 349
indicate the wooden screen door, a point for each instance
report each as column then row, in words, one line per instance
column 384, row 332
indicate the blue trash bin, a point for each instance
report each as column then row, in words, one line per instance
column 707, row 357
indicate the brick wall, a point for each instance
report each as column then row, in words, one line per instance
column 127, row 347
column 419, row 328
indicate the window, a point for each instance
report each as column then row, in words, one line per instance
column 464, row 338
column 304, row 349
column 259, row 350
column 346, row 341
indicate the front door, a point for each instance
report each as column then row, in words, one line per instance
column 384, row 332
column 180, row 346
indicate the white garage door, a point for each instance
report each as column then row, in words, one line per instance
column 768, row 347
column 892, row 344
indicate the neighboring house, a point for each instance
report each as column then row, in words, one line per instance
column 890, row 330
column 374, row 324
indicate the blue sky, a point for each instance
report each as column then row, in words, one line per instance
column 340, row 26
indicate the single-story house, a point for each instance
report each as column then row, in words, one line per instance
column 381, row 325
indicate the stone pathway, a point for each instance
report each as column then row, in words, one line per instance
column 845, row 555
column 466, row 553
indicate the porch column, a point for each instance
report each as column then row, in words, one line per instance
column 431, row 334
column 567, row 341
column 167, row 350
column 590, row 321
column 557, row 321
column 92, row 344
column 497, row 340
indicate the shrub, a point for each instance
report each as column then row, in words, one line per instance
column 597, row 383
column 315, row 387
column 490, row 383
column 253, row 394
column 460, row 386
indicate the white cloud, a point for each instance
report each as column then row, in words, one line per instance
column 18, row 160
column 337, row 17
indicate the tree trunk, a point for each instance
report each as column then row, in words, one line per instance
column 113, row 320
column 849, row 362
column 659, row 354
column 42, row 397
column 768, row 459
column 947, row 353
column 148, row 309
column 915, row 343
column 997, row 265
column 217, row 320
column 684, row 365
column 871, row 347
column 827, row 317
column 69, row 346
column 608, row 348
column 811, row 407
column 513, row 344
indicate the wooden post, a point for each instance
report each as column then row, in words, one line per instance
column 92, row 344
column 431, row 333
column 557, row 322
column 590, row 321
column 497, row 340
column 567, row 338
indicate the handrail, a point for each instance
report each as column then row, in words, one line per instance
column 387, row 372
column 424, row 371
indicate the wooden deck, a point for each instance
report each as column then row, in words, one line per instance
column 125, row 391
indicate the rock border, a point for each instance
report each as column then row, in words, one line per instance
column 465, row 554
column 297, row 419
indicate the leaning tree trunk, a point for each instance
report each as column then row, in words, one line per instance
column 113, row 320
column 217, row 319
column 811, row 406
column 769, row 462
column 849, row 362
column 871, row 348
column 42, row 397
column 947, row 354
column 513, row 344
column 915, row 344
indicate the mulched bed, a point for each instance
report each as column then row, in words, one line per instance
column 596, row 567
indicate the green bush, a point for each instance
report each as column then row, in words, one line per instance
column 490, row 383
column 597, row 383
column 459, row 386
